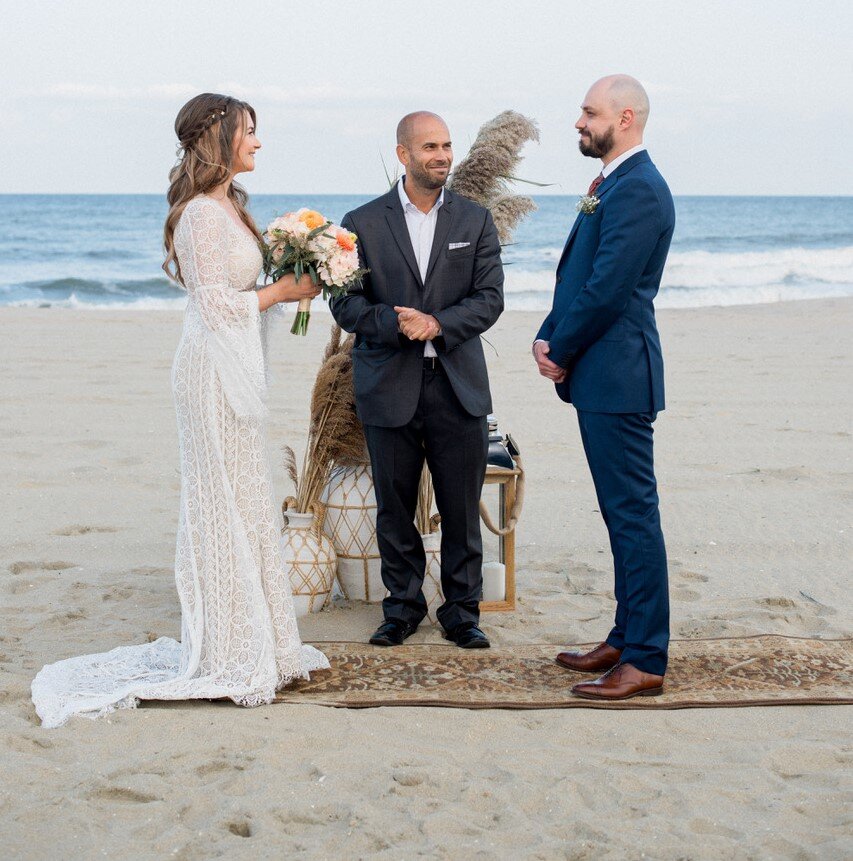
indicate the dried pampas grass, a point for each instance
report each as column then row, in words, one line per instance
column 508, row 211
column 335, row 435
column 485, row 173
column 423, row 513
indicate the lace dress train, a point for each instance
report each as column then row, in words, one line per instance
column 239, row 637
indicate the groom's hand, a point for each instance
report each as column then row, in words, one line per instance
column 416, row 325
column 546, row 367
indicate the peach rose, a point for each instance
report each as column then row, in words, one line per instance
column 312, row 219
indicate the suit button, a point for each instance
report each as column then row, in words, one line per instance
column 558, row 279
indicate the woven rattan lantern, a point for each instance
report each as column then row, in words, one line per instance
column 351, row 525
column 308, row 558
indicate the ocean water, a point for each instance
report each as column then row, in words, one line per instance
column 104, row 251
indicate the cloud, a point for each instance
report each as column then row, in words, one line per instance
column 325, row 95
column 73, row 90
column 658, row 88
column 322, row 95
column 310, row 95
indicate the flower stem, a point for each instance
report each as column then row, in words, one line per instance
column 300, row 323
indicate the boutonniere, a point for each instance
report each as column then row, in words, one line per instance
column 588, row 204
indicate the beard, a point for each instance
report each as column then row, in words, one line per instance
column 597, row 146
column 424, row 178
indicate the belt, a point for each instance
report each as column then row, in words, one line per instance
column 432, row 363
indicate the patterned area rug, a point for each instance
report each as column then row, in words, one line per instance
column 765, row 670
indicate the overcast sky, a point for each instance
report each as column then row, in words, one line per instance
column 746, row 97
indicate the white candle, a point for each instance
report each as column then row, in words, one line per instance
column 494, row 581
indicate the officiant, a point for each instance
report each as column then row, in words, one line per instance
column 435, row 284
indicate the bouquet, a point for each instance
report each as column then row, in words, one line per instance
column 306, row 241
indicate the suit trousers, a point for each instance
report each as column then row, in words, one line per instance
column 455, row 445
column 619, row 451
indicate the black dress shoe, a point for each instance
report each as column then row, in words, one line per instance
column 392, row 632
column 468, row 637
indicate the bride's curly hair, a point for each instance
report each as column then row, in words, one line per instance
column 207, row 127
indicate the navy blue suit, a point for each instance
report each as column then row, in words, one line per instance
column 602, row 330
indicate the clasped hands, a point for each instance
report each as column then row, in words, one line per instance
column 416, row 325
column 547, row 368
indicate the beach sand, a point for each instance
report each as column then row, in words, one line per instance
column 754, row 463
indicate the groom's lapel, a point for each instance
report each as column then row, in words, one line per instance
column 637, row 158
column 572, row 233
column 397, row 222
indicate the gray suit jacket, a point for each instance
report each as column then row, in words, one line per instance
column 463, row 291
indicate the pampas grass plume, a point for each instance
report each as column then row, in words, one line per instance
column 485, row 173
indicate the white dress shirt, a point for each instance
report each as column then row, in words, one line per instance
column 421, row 227
column 609, row 168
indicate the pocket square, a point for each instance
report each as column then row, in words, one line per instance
column 453, row 245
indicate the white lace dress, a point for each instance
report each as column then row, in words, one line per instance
column 239, row 637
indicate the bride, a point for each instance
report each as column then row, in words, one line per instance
column 238, row 628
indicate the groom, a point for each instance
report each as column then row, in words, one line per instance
column 435, row 285
column 600, row 346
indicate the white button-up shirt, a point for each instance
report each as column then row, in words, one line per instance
column 421, row 226
column 609, row 168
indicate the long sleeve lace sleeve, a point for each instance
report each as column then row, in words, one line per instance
column 230, row 315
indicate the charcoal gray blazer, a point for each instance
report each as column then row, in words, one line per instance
column 463, row 291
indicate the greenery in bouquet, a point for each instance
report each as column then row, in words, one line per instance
column 306, row 242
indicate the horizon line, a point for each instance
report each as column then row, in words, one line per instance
column 362, row 194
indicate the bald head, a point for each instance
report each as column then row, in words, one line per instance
column 413, row 124
column 622, row 92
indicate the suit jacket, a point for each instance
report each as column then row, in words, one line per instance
column 602, row 323
column 463, row 290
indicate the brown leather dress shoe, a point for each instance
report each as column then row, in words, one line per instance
column 602, row 657
column 621, row 683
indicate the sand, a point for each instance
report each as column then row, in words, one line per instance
column 754, row 462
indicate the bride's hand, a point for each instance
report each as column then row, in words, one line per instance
column 291, row 290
